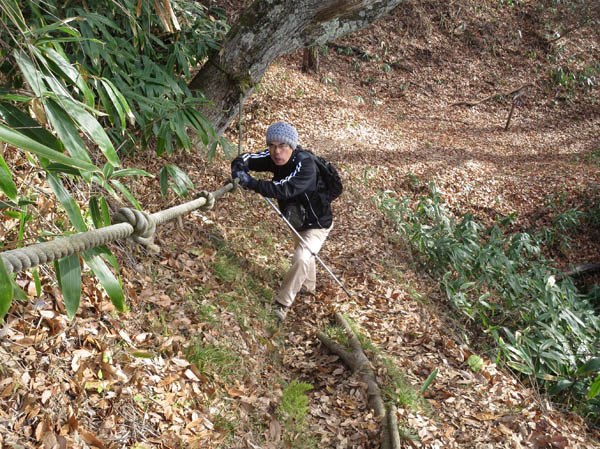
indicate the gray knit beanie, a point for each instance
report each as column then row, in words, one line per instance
column 284, row 133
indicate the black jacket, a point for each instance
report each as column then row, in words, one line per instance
column 298, row 181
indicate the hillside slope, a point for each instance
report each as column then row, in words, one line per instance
column 197, row 361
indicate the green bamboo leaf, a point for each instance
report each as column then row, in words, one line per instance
column 19, row 120
column 106, row 102
column 6, row 183
column 70, row 72
column 19, row 140
column 62, row 168
column 591, row 366
column 95, row 212
column 561, row 385
column 105, row 211
column 594, row 388
column 57, row 26
column 163, row 141
column 108, row 280
column 107, row 171
column 68, row 274
column 130, row 172
column 14, row 14
column 98, row 266
column 115, row 103
column 67, row 132
column 181, row 181
column 67, row 201
column 179, row 123
column 6, row 290
column 164, row 181
column 212, row 151
column 121, row 98
column 105, row 185
column 38, row 282
column 91, row 126
column 429, row 380
column 30, row 72
column 126, row 193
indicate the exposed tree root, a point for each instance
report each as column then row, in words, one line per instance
column 358, row 362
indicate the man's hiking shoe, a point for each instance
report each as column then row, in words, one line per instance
column 306, row 292
column 280, row 311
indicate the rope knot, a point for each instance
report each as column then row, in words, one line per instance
column 210, row 199
column 142, row 223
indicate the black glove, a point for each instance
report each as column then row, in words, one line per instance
column 245, row 179
column 237, row 167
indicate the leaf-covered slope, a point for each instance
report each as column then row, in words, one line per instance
column 197, row 361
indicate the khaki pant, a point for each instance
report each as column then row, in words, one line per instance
column 303, row 270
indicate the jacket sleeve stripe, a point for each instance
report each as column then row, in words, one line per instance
column 290, row 176
column 260, row 155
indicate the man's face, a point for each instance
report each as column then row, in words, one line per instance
column 280, row 152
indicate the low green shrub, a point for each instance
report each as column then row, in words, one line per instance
column 541, row 324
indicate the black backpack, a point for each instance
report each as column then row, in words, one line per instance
column 330, row 176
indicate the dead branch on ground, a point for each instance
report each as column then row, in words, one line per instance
column 515, row 93
column 359, row 363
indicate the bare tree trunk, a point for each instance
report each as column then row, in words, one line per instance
column 266, row 30
column 310, row 59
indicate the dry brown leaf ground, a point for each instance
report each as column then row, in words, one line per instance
column 112, row 380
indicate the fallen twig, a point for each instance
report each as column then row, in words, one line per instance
column 359, row 363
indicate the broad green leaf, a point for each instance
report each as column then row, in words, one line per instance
column 68, row 273
column 105, row 253
column 6, row 183
column 19, row 140
column 6, row 289
column 91, row 126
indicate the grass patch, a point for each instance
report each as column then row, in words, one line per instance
column 292, row 415
column 213, row 360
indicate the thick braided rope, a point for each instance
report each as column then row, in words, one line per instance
column 141, row 227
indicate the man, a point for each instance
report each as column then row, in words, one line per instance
column 302, row 198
